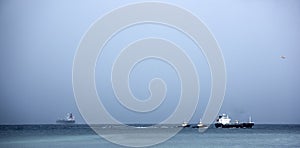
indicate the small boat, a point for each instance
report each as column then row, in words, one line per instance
column 185, row 124
column 200, row 125
column 70, row 118
column 225, row 122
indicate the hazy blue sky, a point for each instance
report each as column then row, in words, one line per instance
column 38, row 41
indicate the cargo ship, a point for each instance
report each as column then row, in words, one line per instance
column 224, row 121
column 70, row 118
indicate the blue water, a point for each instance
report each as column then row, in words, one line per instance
column 83, row 136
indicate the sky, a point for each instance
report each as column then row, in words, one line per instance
column 39, row 39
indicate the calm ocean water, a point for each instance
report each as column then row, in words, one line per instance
column 83, row 136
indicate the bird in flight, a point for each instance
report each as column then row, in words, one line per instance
column 282, row 57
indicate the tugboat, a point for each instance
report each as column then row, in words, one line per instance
column 68, row 119
column 225, row 122
column 185, row 124
column 200, row 125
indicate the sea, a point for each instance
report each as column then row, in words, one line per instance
column 83, row 136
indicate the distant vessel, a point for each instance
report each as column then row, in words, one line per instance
column 70, row 118
column 200, row 125
column 225, row 122
column 185, row 124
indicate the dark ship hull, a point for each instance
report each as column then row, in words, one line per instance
column 234, row 125
column 184, row 126
column 204, row 126
column 65, row 121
